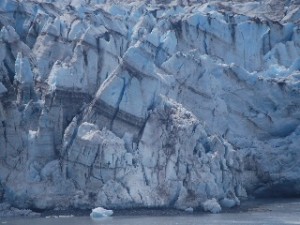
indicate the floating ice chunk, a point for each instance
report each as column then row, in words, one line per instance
column 228, row 203
column 100, row 212
column 190, row 210
column 65, row 216
column 212, row 205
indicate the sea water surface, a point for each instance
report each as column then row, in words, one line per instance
column 260, row 212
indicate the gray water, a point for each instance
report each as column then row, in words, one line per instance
column 263, row 212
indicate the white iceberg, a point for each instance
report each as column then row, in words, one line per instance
column 190, row 210
column 212, row 205
column 228, row 203
column 100, row 212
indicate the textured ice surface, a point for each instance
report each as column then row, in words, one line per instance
column 148, row 104
column 212, row 206
column 100, row 212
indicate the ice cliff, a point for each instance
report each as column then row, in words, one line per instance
column 148, row 103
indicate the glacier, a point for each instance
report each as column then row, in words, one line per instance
column 120, row 104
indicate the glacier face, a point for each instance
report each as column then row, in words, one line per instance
column 148, row 104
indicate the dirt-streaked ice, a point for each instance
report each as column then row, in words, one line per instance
column 125, row 104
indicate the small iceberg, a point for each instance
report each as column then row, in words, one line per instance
column 189, row 210
column 100, row 212
column 212, row 205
